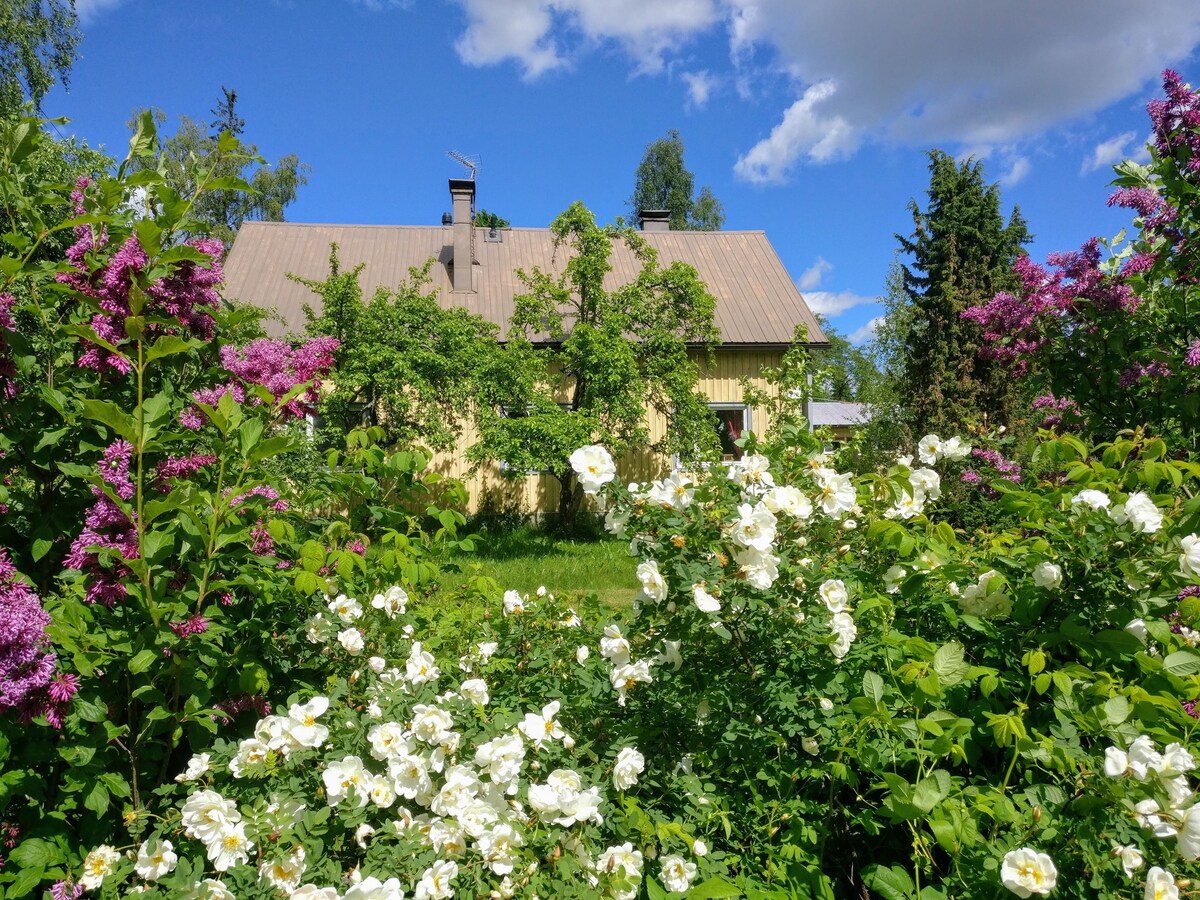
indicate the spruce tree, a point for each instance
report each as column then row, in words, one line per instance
column 962, row 252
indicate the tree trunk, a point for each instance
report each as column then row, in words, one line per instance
column 570, row 498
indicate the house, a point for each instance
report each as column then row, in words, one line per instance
column 758, row 305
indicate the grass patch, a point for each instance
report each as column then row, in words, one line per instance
column 524, row 558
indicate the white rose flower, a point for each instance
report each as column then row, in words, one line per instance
column 1116, row 762
column 826, row 704
column 892, row 578
column 926, row 482
column 654, row 585
column 1140, row 512
column 834, row 595
column 677, row 874
column 97, row 866
column 544, row 727
column 1188, row 842
column 155, row 858
column 810, row 746
column 206, row 814
column 705, row 602
column 630, row 763
column 514, row 603
column 929, row 449
column 351, row 640
column 196, row 766
column 623, row 866
column 421, row 667
column 346, row 608
column 376, row 664
column 837, row 494
column 392, row 602
column 345, row 777
column 1048, row 575
column 954, row 449
column 435, row 884
column 754, row 527
column 582, row 653
column 211, row 889
column 759, row 569
column 1026, row 872
column 1092, row 499
column 371, row 888
column 284, row 873
column 1137, row 627
column 1189, row 559
column 302, row 726
column 313, row 892
column 475, row 690
column 1160, row 885
column 700, row 848
column 231, row 848
column 1131, row 858
column 594, row 467
column 788, row 501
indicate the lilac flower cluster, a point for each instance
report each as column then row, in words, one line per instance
column 1139, row 372
column 106, row 527
column 1015, row 327
column 261, row 542
column 193, row 624
column 241, row 703
column 1006, row 469
column 1192, row 356
column 261, row 490
column 180, row 467
column 275, row 365
column 1176, row 121
column 8, row 369
column 1059, row 409
column 114, row 469
column 66, row 890
column 27, row 669
column 186, row 295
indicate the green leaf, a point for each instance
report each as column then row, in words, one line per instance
column 169, row 345
column 97, row 799
column 41, row 546
column 873, row 686
column 142, row 661
column 108, row 413
column 35, row 853
column 1116, row 710
column 1181, row 662
column 931, row 790
column 714, row 887
column 890, row 884
column 949, row 663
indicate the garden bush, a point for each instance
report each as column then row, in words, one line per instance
column 222, row 682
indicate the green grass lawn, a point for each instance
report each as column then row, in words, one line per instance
column 525, row 558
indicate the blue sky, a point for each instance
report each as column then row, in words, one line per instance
column 808, row 118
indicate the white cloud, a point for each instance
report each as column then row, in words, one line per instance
column 515, row 29
column 918, row 73
column 828, row 303
column 866, row 332
column 807, row 129
column 534, row 32
column 1109, row 152
column 1016, row 172
column 89, row 9
column 813, row 274
column 700, row 86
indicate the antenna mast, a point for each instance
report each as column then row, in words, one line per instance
column 470, row 162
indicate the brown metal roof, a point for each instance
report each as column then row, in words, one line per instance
column 757, row 301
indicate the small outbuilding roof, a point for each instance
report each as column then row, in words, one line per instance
column 837, row 412
column 757, row 300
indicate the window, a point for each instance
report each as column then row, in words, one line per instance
column 733, row 419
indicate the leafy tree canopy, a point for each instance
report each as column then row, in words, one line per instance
column 664, row 182
column 962, row 251
column 486, row 219
column 585, row 363
column 244, row 189
column 405, row 363
column 38, row 41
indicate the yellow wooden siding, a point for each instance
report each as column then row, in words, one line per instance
column 721, row 382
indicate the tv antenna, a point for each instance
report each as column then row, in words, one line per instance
column 471, row 162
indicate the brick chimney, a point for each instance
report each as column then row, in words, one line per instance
column 462, row 192
column 655, row 219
